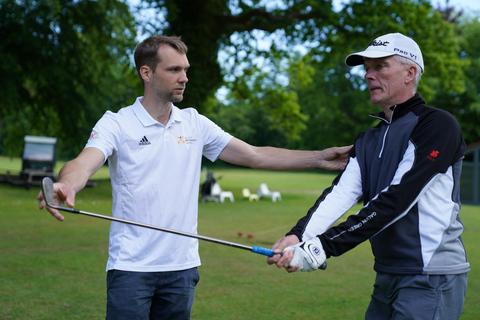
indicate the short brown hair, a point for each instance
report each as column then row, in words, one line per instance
column 146, row 52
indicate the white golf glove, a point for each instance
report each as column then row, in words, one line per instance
column 308, row 255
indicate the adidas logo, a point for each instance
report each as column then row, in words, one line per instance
column 144, row 141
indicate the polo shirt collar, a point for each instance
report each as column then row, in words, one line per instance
column 146, row 119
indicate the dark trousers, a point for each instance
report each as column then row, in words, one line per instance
column 418, row 297
column 150, row 295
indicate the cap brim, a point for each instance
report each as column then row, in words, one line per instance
column 356, row 59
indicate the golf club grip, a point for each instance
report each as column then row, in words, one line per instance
column 264, row 251
column 270, row 253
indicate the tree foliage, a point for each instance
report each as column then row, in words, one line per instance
column 64, row 62
column 281, row 64
column 258, row 78
column 465, row 103
column 337, row 102
column 238, row 27
column 259, row 108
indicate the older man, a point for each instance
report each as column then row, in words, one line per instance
column 407, row 170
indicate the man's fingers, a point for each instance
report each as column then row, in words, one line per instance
column 42, row 204
column 281, row 257
column 284, row 260
column 279, row 249
column 56, row 214
column 292, row 269
column 277, row 255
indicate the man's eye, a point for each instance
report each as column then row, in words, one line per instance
column 176, row 70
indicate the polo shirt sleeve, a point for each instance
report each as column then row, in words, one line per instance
column 215, row 138
column 103, row 134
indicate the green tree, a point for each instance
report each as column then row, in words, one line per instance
column 237, row 28
column 208, row 26
column 64, row 62
column 67, row 61
column 465, row 104
column 262, row 111
column 337, row 102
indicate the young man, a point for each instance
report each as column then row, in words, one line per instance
column 154, row 151
column 407, row 169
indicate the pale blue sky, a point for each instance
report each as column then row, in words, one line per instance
column 459, row 4
column 466, row 5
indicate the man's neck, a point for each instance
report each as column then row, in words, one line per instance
column 158, row 109
column 388, row 110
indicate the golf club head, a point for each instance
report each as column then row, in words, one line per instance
column 47, row 191
column 48, row 195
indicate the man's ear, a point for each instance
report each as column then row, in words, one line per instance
column 146, row 73
column 411, row 72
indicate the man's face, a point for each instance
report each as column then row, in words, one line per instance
column 170, row 76
column 386, row 81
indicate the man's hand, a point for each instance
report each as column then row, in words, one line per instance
column 62, row 194
column 334, row 158
column 308, row 255
column 282, row 261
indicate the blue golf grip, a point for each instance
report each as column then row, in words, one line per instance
column 264, row 251
column 269, row 253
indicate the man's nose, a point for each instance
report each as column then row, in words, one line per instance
column 183, row 78
column 368, row 75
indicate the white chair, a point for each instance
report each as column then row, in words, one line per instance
column 263, row 192
column 219, row 194
column 248, row 195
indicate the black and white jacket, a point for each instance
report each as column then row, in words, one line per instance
column 408, row 173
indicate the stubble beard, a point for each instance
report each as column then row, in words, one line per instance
column 169, row 96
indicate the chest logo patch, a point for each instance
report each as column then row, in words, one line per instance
column 144, row 142
column 186, row 140
column 433, row 155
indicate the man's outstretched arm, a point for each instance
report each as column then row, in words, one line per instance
column 277, row 159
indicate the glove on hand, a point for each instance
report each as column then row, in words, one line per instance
column 308, row 255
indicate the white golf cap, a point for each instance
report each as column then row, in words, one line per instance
column 388, row 45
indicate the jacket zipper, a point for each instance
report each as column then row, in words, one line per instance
column 386, row 131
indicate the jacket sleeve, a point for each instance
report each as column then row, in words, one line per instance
column 434, row 146
column 345, row 191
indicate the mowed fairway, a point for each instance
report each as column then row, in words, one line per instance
column 56, row 270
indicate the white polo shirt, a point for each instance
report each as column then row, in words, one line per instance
column 155, row 174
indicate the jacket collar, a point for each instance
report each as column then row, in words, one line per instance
column 401, row 108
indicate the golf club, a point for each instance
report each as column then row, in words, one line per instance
column 48, row 193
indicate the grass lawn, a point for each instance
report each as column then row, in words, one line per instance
column 56, row 270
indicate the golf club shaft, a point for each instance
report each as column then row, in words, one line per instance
column 259, row 250
column 48, row 192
